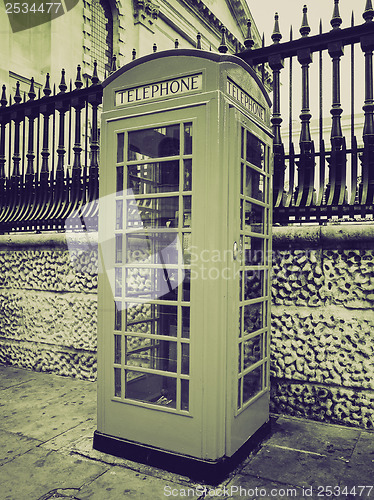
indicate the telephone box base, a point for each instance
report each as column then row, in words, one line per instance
column 209, row 471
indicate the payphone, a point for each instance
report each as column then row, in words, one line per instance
column 184, row 244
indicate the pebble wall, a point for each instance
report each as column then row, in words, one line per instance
column 322, row 316
column 48, row 304
column 323, row 324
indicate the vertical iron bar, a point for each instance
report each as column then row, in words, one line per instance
column 367, row 159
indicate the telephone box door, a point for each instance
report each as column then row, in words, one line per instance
column 249, row 293
column 151, row 390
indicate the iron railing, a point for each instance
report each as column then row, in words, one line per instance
column 49, row 146
column 49, row 150
column 321, row 182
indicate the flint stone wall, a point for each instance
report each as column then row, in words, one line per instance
column 322, row 316
column 48, row 303
column 323, row 323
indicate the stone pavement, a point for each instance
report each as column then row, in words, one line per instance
column 46, row 429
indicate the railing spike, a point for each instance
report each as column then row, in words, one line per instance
column 369, row 12
column 320, row 27
column 3, row 100
column 54, row 89
column 62, row 85
column 198, row 41
column 263, row 40
column 276, row 36
column 176, row 43
column 133, row 54
column 352, row 19
column 249, row 42
column 336, row 20
column 94, row 78
column 223, row 47
column 31, row 94
column 78, row 81
column 47, row 88
column 305, row 28
column 113, row 66
column 17, row 95
column 155, row 47
column 291, row 33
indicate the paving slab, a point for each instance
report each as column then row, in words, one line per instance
column 67, row 441
column 296, row 468
column 248, row 487
column 10, row 376
column 84, row 447
column 13, row 445
column 44, row 418
column 325, row 439
column 119, row 483
column 37, row 472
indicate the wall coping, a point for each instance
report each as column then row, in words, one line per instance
column 62, row 240
column 360, row 236
column 353, row 236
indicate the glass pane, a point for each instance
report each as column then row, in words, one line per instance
column 153, row 212
column 120, row 146
column 185, row 322
column 253, row 284
column 187, row 184
column 149, row 178
column 239, row 393
column 241, row 179
column 151, row 388
column 254, row 184
column 252, row 350
column 154, row 143
column 117, row 382
column 188, row 138
column 151, row 353
column 240, row 286
column 155, row 248
column 118, row 248
column 117, row 349
column 253, row 318
column 254, row 217
column 255, row 152
column 241, row 214
column 153, row 319
column 119, row 180
column 240, row 357
column 119, row 214
column 242, row 143
column 185, row 359
column 252, row 384
column 186, row 286
column 150, row 283
column 185, row 394
column 117, row 315
column 118, row 282
column 240, row 321
column 254, row 251
column 186, row 246
column 186, row 211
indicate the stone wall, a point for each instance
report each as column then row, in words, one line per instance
column 323, row 323
column 48, row 304
column 322, row 315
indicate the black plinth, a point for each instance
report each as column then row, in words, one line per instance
column 208, row 471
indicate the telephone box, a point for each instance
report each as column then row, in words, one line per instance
column 184, row 245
